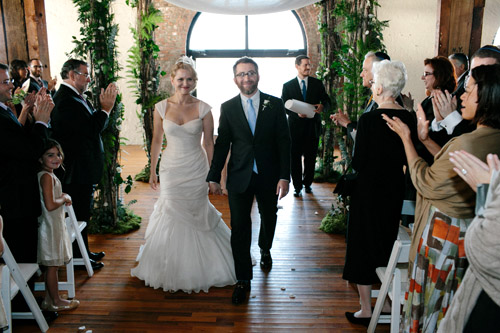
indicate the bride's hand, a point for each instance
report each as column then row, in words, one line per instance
column 215, row 188
column 153, row 181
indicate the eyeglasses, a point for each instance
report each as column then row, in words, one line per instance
column 427, row 74
column 371, row 82
column 37, row 66
column 249, row 74
column 7, row 82
column 86, row 75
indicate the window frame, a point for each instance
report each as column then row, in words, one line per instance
column 238, row 53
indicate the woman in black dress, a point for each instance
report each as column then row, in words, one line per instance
column 376, row 203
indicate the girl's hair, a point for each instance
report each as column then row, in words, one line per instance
column 49, row 144
column 488, row 95
column 443, row 72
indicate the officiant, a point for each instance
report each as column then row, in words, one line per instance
column 304, row 132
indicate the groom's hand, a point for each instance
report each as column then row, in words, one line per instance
column 282, row 188
column 214, row 188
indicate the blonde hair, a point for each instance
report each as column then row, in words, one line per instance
column 186, row 64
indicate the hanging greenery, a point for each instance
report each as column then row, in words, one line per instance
column 97, row 46
column 143, row 73
column 349, row 29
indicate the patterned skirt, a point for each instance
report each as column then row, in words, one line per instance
column 437, row 272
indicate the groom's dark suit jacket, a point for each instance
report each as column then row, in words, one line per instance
column 270, row 146
column 19, row 193
column 77, row 127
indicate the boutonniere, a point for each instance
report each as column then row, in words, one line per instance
column 266, row 104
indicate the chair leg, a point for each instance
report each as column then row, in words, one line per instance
column 6, row 296
column 70, row 279
column 396, row 301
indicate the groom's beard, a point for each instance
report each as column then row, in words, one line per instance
column 249, row 87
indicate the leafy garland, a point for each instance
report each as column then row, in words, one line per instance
column 98, row 45
column 143, row 73
column 349, row 29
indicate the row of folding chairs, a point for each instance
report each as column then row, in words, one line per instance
column 15, row 276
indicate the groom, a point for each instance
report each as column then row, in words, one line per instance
column 253, row 125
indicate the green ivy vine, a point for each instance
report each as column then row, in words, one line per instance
column 97, row 46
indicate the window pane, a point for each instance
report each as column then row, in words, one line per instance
column 274, row 31
column 215, row 32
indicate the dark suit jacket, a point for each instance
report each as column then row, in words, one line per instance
column 20, row 150
column 460, row 90
column 34, row 86
column 316, row 94
column 270, row 146
column 77, row 127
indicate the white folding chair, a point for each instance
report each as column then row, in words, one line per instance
column 14, row 277
column 75, row 233
column 394, row 279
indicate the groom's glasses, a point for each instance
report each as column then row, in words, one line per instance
column 249, row 74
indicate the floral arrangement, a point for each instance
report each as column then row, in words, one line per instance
column 18, row 97
column 266, row 104
column 335, row 221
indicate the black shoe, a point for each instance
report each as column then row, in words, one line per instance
column 49, row 316
column 240, row 292
column 296, row 193
column 266, row 262
column 358, row 321
column 95, row 264
column 97, row 256
column 309, row 189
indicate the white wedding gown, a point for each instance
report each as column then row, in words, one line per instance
column 187, row 243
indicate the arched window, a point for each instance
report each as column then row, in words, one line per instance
column 216, row 41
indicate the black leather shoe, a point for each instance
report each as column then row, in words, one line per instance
column 97, row 256
column 240, row 292
column 309, row 189
column 266, row 262
column 296, row 193
column 95, row 264
column 358, row 321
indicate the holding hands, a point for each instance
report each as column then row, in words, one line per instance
column 107, row 97
column 215, row 188
column 472, row 170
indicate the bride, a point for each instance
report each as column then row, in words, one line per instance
column 187, row 243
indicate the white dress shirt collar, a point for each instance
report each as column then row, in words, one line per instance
column 255, row 102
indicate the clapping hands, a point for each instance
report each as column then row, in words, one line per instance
column 107, row 97
column 43, row 106
column 443, row 104
column 472, row 170
column 340, row 118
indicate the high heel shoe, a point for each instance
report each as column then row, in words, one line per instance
column 54, row 308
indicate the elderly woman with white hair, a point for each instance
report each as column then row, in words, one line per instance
column 375, row 207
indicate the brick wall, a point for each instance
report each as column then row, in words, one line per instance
column 171, row 36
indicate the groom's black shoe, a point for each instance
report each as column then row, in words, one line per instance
column 240, row 292
column 266, row 262
column 97, row 256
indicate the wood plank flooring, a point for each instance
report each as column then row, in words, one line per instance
column 303, row 292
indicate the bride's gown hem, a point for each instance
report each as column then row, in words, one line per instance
column 187, row 244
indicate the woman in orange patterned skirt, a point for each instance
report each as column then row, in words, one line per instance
column 445, row 203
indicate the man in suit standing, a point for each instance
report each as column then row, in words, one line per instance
column 19, row 191
column 304, row 132
column 78, row 127
column 253, row 126
column 36, row 81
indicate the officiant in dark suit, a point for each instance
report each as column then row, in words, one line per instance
column 304, row 132
column 253, row 126
column 77, row 126
column 19, row 192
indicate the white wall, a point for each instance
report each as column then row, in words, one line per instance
column 491, row 21
column 62, row 24
column 410, row 37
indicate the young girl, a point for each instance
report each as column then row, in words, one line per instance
column 54, row 245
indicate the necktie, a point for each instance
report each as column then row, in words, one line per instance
column 304, row 90
column 252, row 119
column 11, row 115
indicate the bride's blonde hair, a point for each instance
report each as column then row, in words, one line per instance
column 184, row 63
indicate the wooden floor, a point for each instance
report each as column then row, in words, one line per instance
column 303, row 292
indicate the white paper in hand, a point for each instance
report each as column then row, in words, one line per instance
column 301, row 107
